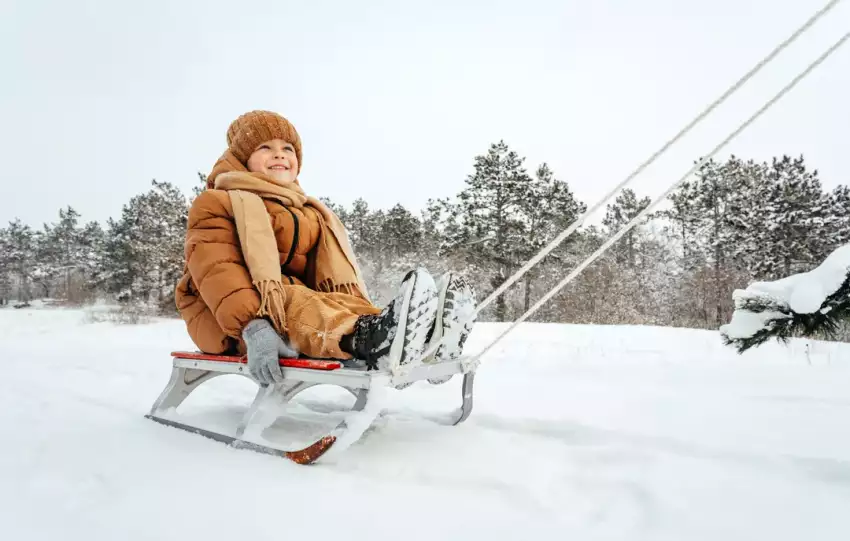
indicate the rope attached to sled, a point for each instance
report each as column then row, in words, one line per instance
column 563, row 235
column 663, row 196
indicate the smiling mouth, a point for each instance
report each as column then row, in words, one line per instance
column 279, row 168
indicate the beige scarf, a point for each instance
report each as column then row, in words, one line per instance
column 334, row 266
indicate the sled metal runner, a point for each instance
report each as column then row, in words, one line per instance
column 190, row 370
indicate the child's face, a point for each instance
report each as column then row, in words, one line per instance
column 275, row 158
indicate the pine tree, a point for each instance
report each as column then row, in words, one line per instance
column 686, row 220
column 337, row 209
column 548, row 206
column 19, row 251
column 437, row 249
column 837, row 225
column 5, row 269
column 5, row 287
column 714, row 214
column 44, row 273
column 92, row 256
column 119, row 269
column 739, row 230
column 624, row 209
column 364, row 225
column 402, row 232
column 439, row 222
column 144, row 247
column 793, row 218
column 364, row 228
column 623, row 269
column 198, row 188
column 394, row 243
column 489, row 216
column 715, row 198
column 683, row 295
column 59, row 255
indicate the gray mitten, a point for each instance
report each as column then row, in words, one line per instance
column 265, row 347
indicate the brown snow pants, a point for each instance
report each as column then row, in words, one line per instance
column 316, row 321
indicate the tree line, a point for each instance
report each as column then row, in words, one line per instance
column 733, row 223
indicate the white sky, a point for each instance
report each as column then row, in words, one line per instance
column 394, row 99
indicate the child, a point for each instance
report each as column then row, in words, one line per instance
column 269, row 270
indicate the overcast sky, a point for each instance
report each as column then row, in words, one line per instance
column 394, row 100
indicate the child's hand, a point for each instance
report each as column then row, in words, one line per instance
column 264, row 349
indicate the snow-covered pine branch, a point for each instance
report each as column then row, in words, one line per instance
column 811, row 304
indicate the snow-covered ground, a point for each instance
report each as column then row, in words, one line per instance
column 578, row 432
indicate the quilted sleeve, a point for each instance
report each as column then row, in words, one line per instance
column 214, row 260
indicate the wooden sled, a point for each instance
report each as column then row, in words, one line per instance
column 190, row 370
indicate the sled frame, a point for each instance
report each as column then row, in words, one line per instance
column 190, row 370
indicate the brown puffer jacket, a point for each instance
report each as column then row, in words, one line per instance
column 215, row 297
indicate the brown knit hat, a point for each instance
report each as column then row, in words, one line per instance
column 256, row 127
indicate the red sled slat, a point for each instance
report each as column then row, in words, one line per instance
column 312, row 364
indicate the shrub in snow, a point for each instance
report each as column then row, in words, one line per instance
column 810, row 304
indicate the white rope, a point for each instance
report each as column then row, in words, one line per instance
column 567, row 232
column 663, row 196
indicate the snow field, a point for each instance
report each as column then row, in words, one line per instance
column 595, row 432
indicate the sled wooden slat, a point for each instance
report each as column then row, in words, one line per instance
column 313, row 364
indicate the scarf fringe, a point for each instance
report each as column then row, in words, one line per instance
column 329, row 286
column 272, row 298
